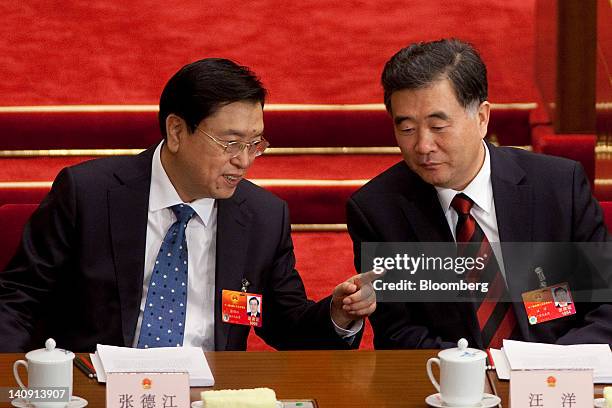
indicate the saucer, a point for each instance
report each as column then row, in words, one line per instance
column 488, row 401
column 75, row 402
column 200, row 404
column 600, row 402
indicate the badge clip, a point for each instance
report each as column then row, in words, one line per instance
column 540, row 272
column 245, row 285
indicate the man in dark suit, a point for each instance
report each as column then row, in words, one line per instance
column 253, row 307
column 453, row 186
column 137, row 251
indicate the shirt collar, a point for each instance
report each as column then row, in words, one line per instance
column 479, row 189
column 163, row 194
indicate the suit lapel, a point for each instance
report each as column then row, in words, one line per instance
column 514, row 203
column 233, row 224
column 422, row 210
column 128, row 209
column 513, row 200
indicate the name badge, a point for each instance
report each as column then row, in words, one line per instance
column 241, row 308
column 551, row 388
column 548, row 303
column 170, row 390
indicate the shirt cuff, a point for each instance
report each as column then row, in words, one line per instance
column 351, row 331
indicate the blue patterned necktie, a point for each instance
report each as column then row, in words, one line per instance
column 163, row 321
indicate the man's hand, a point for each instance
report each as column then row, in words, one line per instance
column 354, row 299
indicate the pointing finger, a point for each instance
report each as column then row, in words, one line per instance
column 369, row 277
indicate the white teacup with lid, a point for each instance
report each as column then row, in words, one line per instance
column 462, row 375
column 47, row 367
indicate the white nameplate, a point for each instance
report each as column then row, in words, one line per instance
column 158, row 390
column 551, row 389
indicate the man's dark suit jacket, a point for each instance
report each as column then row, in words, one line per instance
column 537, row 199
column 77, row 275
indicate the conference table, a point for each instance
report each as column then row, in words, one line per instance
column 335, row 379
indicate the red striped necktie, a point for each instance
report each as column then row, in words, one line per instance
column 496, row 318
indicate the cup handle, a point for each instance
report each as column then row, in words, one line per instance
column 16, row 372
column 430, row 373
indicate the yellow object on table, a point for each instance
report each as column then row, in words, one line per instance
column 607, row 393
column 249, row 398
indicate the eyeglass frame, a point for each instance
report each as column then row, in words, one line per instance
column 243, row 145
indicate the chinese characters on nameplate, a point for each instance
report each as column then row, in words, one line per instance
column 551, row 389
column 147, row 390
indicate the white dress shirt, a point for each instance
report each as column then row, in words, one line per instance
column 201, row 236
column 480, row 190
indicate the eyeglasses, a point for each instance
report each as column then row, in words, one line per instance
column 233, row 149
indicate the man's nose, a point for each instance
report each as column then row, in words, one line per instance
column 243, row 160
column 425, row 142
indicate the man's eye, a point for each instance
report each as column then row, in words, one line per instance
column 408, row 130
column 438, row 128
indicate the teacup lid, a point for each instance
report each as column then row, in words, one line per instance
column 462, row 353
column 49, row 354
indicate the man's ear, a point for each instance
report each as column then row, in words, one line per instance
column 176, row 129
column 483, row 113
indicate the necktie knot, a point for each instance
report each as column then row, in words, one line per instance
column 183, row 212
column 462, row 204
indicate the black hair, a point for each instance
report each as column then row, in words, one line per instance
column 255, row 299
column 198, row 89
column 421, row 64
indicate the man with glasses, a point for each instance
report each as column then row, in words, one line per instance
column 141, row 251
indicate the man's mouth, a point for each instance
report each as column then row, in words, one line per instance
column 232, row 178
column 429, row 165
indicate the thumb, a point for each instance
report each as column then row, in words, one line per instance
column 345, row 288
